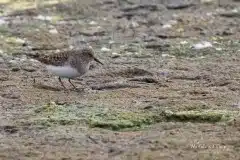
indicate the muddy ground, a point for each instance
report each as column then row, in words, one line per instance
column 159, row 95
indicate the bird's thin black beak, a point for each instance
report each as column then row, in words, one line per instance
column 95, row 59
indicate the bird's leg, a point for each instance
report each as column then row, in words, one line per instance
column 69, row 80
column 59, row 78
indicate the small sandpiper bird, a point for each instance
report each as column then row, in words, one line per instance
column 68, row 64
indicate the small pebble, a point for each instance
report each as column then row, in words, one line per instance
column 11, row 95
column 93, row 23
column 167, row 55
column 1, row 60
column 218, row 49
column 134, row 24
column 13, row 61
column 71, row 47
column 15, row 69
column 41, row 17
column 207, row 1
column 53, row 31
column 202, row 45
column 104, row 49
column 183, row 42
column 167, row 26
column 19, row 40
column 29, row 69
column 2, row 21
column 115, row 55
column 129, row 53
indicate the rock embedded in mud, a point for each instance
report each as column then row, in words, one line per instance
column 180, row 4
column 104, row 49
column 231, row 14
column 115, row 55
column 9, row 129
column 202, row 45
column 207, row 1
column 1, row 60
column 4, row 78
column 11, row 95
column 15, row 69
column 29, row 69
column 157, row 46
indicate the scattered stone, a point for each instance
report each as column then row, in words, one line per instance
column 202, row 45
column 4, row 78
column 11, row 95
column 33, row 61
column 133, row 24
column 115, row 55
column 1, row 60
column 43, row 18
column 145, row 79
column 2, row 21
column 167, row 26
column 236, row 105
column 104, row 49
column 183, row 42
column 207, row 1
column 157, row 46
column 151, row 7
column 167, row 55
column 230, row 14
column 15, row 69
column 218, row 49
column 53, row 31
column 71, row 47
column 129, row 53
column 93, row 31
column 180, row 5
column 29, row 69
column 93, row 23
column 225, row 32
column 19, row 40
column 23, row 58
column 13, row 62
column 131, row 48
column 163, row 35
column 9, row 129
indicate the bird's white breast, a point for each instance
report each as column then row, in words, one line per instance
column 63, row 71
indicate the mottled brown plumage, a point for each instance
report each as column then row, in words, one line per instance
column 60, row 58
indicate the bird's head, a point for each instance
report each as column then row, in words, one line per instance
column 90, row 54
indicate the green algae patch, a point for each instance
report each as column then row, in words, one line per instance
column 92, row 116
column 209, row 116
column 121, row 119
column 53, row 114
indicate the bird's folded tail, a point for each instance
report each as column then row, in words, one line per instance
column 37, row 56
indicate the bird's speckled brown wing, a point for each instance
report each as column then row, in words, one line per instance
column 56, row 59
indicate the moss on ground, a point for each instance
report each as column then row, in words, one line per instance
column 119, row 119
column 209, row 116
